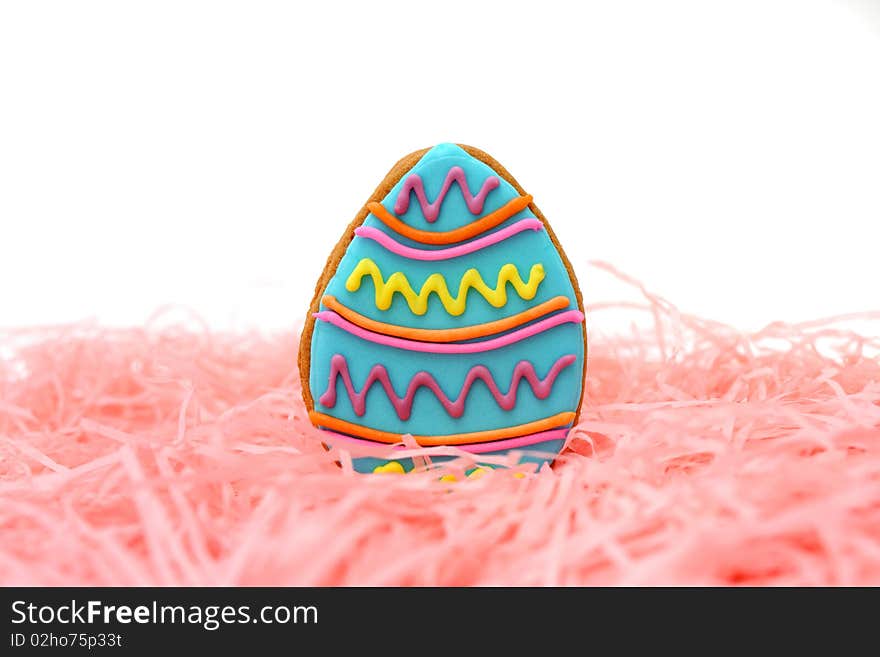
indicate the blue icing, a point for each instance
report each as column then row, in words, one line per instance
column 523, row 250
column 429, row 417
column 539, row 453
column 481, row 410
column 454, row 212
column 374, row 222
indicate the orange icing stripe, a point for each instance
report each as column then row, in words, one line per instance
column 446, row 335
column 481, row 225
column 543, row 424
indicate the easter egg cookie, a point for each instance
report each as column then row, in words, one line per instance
column 447, row 311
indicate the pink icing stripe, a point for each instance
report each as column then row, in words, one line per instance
column 403, row 405
column 432, row 210
column 573, row 316
column 444, row 254
column 476, row 448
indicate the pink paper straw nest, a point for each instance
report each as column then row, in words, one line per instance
column 703, row 456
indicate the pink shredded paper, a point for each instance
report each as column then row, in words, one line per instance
column 704, row 455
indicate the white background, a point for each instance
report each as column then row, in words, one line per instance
column 210, row 154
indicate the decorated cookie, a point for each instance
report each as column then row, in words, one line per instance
column 448, row 311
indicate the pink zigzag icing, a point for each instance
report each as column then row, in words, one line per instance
column 403, row 405
column 431, row 211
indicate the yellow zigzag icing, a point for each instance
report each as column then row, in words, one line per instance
column 436, row 283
